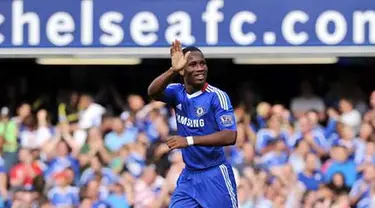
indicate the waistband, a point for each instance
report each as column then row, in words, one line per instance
column 189, row 170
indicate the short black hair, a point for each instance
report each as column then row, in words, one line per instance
column 191, row 49
column 88, row 94
column 348, row 99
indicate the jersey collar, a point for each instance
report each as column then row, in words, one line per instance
column 204, row 87
column 197, row 93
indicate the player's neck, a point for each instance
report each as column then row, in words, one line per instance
column 190, row 89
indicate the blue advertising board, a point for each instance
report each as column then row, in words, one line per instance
column 222, row 27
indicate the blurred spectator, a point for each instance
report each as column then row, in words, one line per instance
column 28, row 135
column 263, row 112
column 307, row 101
column 68, row 109
column 91, row 196
column 117, row 199
column 135, row 162
column 92, row 147
column 63, row 194
column 315, row 139
column 120, row 135
column 341, row 163
column 23, row 112
column 23, row 174
column 311, row 177
column 245, row 198
column 349, row 115
column 274, row 133
column 135, row 103
column 331, row 125
column 347, row 139
column 8, row 132
column 60, row 156
column 91, row 112
column 90, row 115
column 362, row 190
column 297, row 157
column 37, row 131
column 148, row 187
column 96, row 167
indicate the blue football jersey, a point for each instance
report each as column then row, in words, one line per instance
column 204, row 112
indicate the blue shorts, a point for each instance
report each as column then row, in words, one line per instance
column 213, row 188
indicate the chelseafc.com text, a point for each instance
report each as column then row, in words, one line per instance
column 111, row 28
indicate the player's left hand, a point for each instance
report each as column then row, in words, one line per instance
column 176, row 142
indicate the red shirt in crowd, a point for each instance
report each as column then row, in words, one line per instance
column 22, row 171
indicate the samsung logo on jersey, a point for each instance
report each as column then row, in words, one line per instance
column 192, row 123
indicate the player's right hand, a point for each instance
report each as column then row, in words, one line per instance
column 178, row 59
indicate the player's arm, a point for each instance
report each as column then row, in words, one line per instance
column 157, row 87
column 221, row 138
column 179, row 60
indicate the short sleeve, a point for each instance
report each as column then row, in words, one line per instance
column 224, row 114
column 170, row 92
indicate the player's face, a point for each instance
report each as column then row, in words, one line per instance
column 195, row 72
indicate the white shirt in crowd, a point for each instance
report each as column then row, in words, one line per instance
column 36, row 138
column 88, row 118
column 91, row 117
column 353, row 119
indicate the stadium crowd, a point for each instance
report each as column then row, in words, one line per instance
column 314, row 153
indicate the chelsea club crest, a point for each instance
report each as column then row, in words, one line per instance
column 199, row 111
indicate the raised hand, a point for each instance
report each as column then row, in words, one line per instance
column 178, row 59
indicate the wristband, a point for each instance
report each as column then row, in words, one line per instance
column 190, row 140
